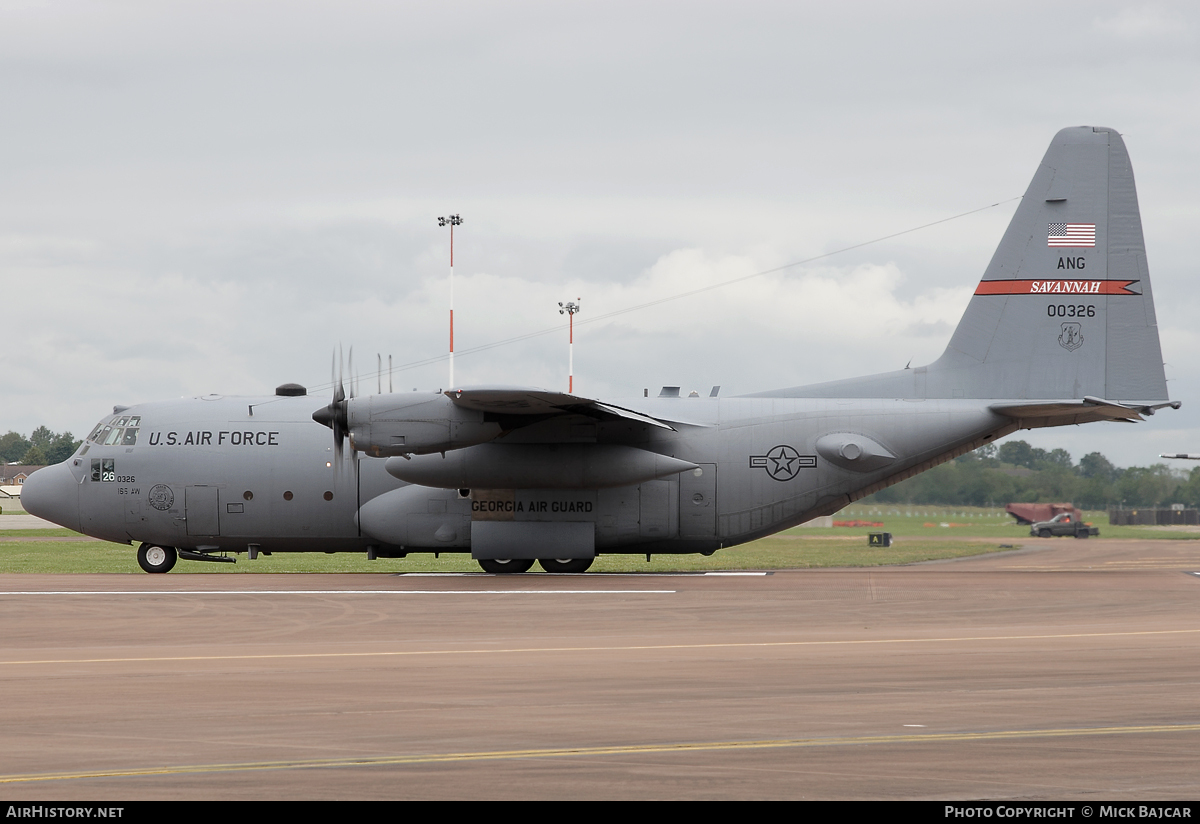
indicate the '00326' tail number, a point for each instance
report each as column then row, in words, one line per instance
column 1071, row 310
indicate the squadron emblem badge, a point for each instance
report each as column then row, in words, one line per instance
column 1071, row 337
column 161, row 497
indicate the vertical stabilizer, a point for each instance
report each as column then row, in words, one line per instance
column 1065, row 308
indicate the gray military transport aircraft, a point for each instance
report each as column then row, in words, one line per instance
column 1061, row 330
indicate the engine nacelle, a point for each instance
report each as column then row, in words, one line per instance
column 414, row 423
column 537, row 466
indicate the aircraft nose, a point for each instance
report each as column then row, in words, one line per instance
column 52, row 493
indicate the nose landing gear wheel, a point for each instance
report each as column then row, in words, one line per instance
column 504, row 565
column 154, row 558
column 565, row 564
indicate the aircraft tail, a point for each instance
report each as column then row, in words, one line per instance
column 1064, row 310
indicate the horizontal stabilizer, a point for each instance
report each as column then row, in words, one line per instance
column 1056, row 413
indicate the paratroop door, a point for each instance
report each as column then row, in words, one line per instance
column 200, row 509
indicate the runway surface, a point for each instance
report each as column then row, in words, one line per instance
column 1068, row 670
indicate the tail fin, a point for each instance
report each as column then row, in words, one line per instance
column 1064, row 310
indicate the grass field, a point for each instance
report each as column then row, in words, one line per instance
column 921, row 534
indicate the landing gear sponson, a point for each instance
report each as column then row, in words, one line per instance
column 506, row 565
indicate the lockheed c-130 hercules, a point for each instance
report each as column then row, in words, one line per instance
column 1061, row 330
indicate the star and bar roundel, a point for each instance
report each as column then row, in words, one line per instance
column 783, row 462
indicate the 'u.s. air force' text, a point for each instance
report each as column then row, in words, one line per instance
column 206, row 438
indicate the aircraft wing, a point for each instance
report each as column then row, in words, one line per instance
column 1055, row 413
column 519, row 400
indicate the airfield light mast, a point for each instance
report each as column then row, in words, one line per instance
column 570, row 308
column 451, row 221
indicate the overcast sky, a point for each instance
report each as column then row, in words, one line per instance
column 211, row 197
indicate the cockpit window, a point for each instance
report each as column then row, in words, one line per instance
column 117, row 431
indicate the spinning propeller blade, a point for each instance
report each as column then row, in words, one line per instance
column 336, row 415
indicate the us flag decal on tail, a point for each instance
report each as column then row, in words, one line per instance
column 1071, row 234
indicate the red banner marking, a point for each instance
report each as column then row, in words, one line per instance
column 1056, row 287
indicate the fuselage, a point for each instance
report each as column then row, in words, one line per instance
column 237, row 473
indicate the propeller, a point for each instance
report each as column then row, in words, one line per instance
column 337, row 415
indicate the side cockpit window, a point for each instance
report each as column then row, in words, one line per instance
column 104, row 470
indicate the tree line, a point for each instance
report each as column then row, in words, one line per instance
column 1016, row 471
column 42, row 448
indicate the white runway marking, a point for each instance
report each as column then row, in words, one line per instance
column 351, row 592
column 592, row 575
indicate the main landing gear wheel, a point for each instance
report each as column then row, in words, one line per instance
column 153, row 558
column 565, row 564
column 503, row 565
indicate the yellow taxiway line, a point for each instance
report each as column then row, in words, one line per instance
column 633, row 749
column 622, row 648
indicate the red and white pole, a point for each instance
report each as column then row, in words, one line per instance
column 452, row 221
column 570, row 308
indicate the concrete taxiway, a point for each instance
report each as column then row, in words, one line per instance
column 1064, row 670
